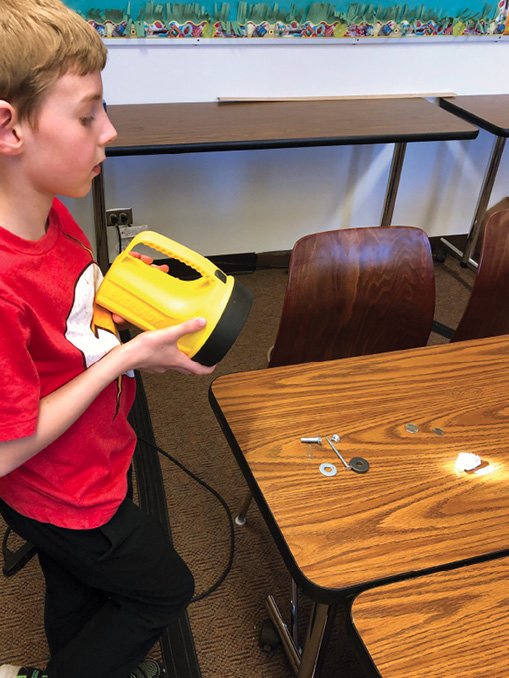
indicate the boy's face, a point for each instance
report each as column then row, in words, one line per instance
column 62, row 154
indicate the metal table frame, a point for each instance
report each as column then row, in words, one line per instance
column 461, row 106
column 148, row 129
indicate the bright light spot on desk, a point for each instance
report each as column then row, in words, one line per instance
column 467, row 461
column 484, row 470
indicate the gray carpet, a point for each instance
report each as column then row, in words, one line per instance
column 226, row 623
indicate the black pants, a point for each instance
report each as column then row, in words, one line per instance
column 110, row 591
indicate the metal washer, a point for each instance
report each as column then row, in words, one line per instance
column 359, row 465
column 328, row 469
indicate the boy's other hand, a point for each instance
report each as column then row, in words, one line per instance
column 156, row 351
column 150, row 261
column 120, row 322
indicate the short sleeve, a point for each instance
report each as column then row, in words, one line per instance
column 19, row 381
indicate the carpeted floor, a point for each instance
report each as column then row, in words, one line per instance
column 226, row 623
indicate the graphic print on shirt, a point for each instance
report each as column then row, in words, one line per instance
column 90, row 327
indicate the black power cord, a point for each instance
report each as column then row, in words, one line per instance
column 216, row 494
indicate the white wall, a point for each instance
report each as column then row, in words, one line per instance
column 241, row 201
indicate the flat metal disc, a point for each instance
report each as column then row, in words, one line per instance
column 328, row 469
column 359, row 465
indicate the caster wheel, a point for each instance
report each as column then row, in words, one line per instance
column 440, row 256
column 269, row 638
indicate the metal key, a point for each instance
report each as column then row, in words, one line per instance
column 336, row 451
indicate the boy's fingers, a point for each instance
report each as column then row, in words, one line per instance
column 118, row 320
column 149, row 260
column 189, row 326
column 146, row 259
column 190, row 366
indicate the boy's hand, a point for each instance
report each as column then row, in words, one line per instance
column 156, row 351
column 121, row 323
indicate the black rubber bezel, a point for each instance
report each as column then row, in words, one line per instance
column 228, row 327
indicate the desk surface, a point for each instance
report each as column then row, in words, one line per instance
column 489, row 111
column 187, row 127
column 412, row 511
column 453, row 623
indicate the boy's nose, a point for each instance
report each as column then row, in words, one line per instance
column 110, row 133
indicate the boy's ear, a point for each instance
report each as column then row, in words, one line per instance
column 10, row 138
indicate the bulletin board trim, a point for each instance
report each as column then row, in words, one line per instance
column 316, row 22
column 158, row 42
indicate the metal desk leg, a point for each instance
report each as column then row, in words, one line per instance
column 290, row 647
column 304, row 663
column 482, row 206
column 314, row 637
column 393, row 183
column 241, row 518
column 101, row 236
column 484, row 197
column 295, row 615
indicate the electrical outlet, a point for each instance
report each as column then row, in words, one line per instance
column 120, row 237
column 119, row 216
column 127, row 233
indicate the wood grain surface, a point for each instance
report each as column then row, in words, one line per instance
column 412, row 510
column 447, row 625
column 176, row 124
column 490, row 111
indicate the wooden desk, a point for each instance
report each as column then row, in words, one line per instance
column 445, row 625
column 412, row 512
column 145, row 129
column 215, row 126
column 491, row 112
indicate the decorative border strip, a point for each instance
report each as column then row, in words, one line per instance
column 318, row 20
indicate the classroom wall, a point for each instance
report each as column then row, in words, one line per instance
column 257, row 201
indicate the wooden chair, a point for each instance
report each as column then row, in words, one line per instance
column 487, row 310
column 355, row 292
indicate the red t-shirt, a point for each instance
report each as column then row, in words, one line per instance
column 52, row 331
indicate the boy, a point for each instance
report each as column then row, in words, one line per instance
column 113, row 582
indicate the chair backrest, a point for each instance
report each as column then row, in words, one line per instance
column 487, row 310
column 355, row 292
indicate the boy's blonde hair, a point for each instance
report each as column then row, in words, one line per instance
column 41, row 40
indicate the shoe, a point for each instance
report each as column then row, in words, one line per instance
column 148, row 668
column 30, row 672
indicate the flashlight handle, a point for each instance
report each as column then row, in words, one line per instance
column 174, row 250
